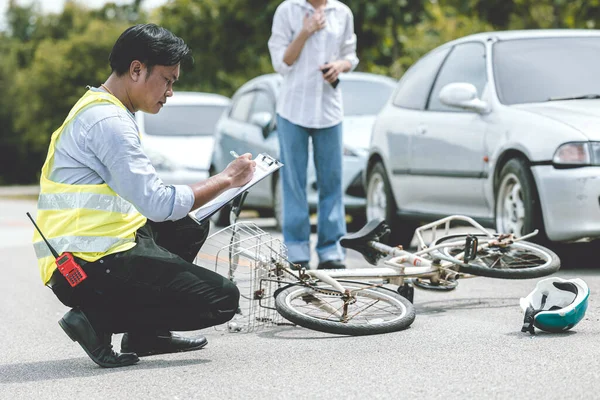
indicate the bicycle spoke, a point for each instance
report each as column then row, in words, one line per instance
column 330, row 307
column 511, row 259
column 321, row 305
column 503, row 258
column 363, row 309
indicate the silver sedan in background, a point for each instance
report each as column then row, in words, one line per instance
column 179, row 139
column 500, row 126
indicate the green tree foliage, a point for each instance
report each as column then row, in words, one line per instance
column 495, row 12
column 440, row 24
column 43, row 75
column 547, row 14
column 9, row 141
column 530, row 14
column 60, row 71
column 228, row 40
column 47, row 60
column 378, row 25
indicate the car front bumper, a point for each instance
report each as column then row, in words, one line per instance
column 570, row 200
column 354, row 197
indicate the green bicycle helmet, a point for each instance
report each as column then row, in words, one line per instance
column 555, row 305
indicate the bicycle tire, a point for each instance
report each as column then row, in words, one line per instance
column 298, row 304
column 520, row 260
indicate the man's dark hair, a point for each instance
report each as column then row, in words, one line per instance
column 149, row 44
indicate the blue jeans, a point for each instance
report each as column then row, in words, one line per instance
column 331, row 222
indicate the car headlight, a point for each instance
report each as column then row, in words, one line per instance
column 354, row 152
column 577, row 154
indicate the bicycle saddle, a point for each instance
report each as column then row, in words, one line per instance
column 375, row 230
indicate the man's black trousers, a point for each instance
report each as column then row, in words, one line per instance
column 154, row 286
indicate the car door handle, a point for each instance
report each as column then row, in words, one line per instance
column 421, row 130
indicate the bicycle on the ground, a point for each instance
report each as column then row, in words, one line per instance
column 370, row 300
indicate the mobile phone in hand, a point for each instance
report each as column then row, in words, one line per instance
column 334, row 83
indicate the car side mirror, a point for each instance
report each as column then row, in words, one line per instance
column 463, row 95
column 264, row 120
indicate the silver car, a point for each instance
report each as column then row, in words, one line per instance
column 179, row 139
column 249, row 126
column 500, row 126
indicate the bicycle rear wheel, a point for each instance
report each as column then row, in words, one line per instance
column 369, row 310
column 520, row 260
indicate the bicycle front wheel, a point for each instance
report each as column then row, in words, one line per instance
column 520, row 260
column 364, row 310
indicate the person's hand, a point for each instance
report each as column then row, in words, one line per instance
column 333, row 69
column 240, row 170
column 315, row 22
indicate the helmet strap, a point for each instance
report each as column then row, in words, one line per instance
column 530, row 314
column 528, row 320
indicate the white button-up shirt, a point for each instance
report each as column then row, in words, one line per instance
column 306, row 99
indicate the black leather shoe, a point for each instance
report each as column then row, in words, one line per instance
column 331, row 264
column 160, row 343
column 96, row 344
column 297, row 265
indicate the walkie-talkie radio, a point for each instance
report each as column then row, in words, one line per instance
column 66, row 264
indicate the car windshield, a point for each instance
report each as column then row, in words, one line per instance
column 364, row 97
column 175, row 120
column 545, row 69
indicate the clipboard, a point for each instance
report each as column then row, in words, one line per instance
column 265, row 166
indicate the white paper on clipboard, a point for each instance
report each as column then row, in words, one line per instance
column 265, row 166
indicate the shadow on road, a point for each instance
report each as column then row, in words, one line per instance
column 539, row 334
column 296, row 332
column 78, row 368
column 438, row 307
column 578, row 255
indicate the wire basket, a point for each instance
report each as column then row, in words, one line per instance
column 248, row 256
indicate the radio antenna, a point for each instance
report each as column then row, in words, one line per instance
column 54, row 253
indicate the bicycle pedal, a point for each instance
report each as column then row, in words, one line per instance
column 471, row 244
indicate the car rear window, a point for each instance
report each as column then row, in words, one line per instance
column 176, row 120
column 537, row 70
column 364, row 97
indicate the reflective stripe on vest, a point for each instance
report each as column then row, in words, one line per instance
column 92, row 201
column 90, row 221
column 88, row 244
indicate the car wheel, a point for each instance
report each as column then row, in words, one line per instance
column 517, row 205
column 381, row 204
column 278, row 204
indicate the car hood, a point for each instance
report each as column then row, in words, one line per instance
column 583, row 115
column 357, row 130
column 191, row 152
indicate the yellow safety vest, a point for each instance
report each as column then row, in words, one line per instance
column 89, row 221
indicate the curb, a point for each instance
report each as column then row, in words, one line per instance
column 9, row 191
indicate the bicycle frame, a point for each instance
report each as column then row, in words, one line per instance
column 406, row 265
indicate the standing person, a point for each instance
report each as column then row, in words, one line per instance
column 311, row 43
column 102, row 200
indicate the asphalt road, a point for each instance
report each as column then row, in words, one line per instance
column 464, row 344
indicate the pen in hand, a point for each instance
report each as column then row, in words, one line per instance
column 234, row 154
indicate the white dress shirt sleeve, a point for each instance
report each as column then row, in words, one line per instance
column 281, row 37
column 348, row 48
